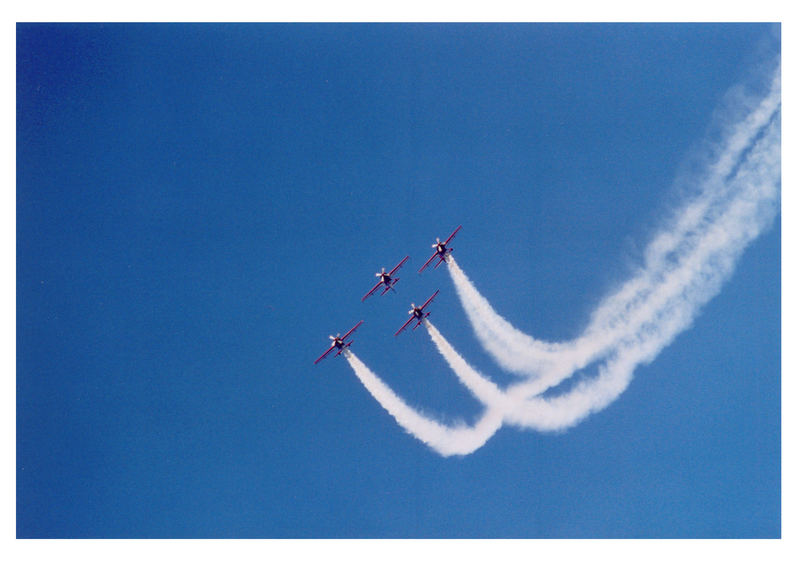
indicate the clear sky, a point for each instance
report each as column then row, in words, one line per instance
column 200, row 206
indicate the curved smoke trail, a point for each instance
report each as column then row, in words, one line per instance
column 685, row 264
column 446, row 440
column 482, row 388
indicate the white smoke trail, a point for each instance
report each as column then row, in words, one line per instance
column 633, row 325
column 483, row 389
column 446, row 440
column 685, row 265
column 546, row 414
column 703, row 242
column 676, row 298
column 670, row 307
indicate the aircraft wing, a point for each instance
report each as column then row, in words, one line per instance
column 352, row 330
column 403, row 261
column 402, row 328
column 328, row 351
column 451, row 236
column 429, row 299
column 425, row 265
column 371, row 291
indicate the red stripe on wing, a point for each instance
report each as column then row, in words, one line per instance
column 400, row 265
column 325, row 354
column 430, row 299
column 371, row 291
column 454, row 234
column 352, row 330
column 425, row 265
column 402, row 328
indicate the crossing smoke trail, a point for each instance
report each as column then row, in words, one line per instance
column 545, row 414
column 483, row 389
column 681, row 273
column 685, row 265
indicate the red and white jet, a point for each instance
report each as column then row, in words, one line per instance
column 417, row 314
column 441, row 250
column 339, row 342
column 386, row 279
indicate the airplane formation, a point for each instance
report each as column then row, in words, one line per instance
column 387, row 282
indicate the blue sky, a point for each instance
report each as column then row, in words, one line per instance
column 199, row 206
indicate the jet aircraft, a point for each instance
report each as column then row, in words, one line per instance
column 386, row 279
column 417, row 314
column 339, row 342
column 441, row 250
